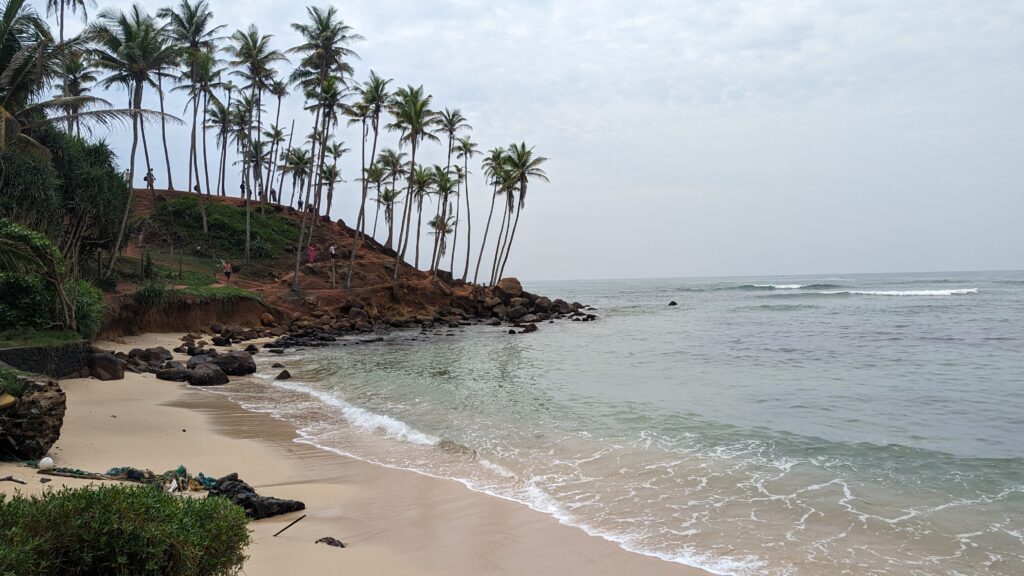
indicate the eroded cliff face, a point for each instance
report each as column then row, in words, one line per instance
column 31, row 425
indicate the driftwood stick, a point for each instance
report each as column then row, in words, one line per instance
column 290, row 525
column 12, row 479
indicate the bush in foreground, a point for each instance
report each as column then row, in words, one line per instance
column 121, row 530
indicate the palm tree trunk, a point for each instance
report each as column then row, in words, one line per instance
column 508, row 247
column 305, row 206
column 408, row 211
column 502, row 234
column 206, row 162
column 455, row 233
column 163, row 131
column 376, row 214
column 145, row 146
column 61, row 21
column 483, row 241
column 469, row 220
column 136, row 105
column 280, row 185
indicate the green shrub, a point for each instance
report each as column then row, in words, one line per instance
column 215, row 293
column 151, row 293
column 27, row 301
column 121, row 530
column 272, row 234
column 9, row 382
column 89, row 310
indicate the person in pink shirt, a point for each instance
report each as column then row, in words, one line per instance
column 311, row 254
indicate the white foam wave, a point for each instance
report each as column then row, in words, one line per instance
column 956, row 292
column 367, row 420
column 780, row 286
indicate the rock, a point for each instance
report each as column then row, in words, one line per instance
column 363, row 327
column 491, row 302
column 216, row 328
column 174, row 374
column 524, row 302
column 252, row 349
column 181, row 350
column 30, row 426
column 542, row 304
column 516, row 312
column 358, row 315
column 255, row 506
column 529, row 328
column 508, row 288
column 500, row 311
column 444, row 288
column 284, row 375
column 512, row 332
column 221, row 341
column 106, row 366
column 528, row 318
column 267, row 319
column 208, row 374
column 330, row 542
column 197, row 360
column 673, row 303
column 235, row 363
column 277, row 365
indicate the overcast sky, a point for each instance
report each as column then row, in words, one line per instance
column 693, row 138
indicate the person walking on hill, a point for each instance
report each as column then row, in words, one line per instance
column 311, row 254
column 149, row 179
column 333, row 251
column 227, row 271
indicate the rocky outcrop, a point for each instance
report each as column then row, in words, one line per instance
column 30, row 426
column 508, row 288
column 255, row 506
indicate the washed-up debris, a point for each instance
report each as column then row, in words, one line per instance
column 177, row 480
column 256, row 506
column 13, row 479
column 331, row 542
column 290, row 524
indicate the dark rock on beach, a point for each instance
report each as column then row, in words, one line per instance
column 30, row 426
column 331, row 542
column 673, row 303
column 255, row 506
column 235, row 363
column 207, row 374
column 284, row 375
column 106, row 366
column 174, row 374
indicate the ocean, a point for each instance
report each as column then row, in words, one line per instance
column 853, row 424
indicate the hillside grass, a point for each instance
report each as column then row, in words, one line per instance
column 17, row 338
column 272, row 234
column 9, row 381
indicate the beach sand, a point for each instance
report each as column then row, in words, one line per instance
column 393, row 522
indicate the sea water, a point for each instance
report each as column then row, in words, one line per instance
column 861, row 424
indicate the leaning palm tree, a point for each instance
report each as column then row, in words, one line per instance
column 493, row 167
column 522, row 165
column 57, row 7
column 465, row 149
column 441, row 228
column 132, row 48
column 415, row 122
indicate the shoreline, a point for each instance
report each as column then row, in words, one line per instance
column 392, row 520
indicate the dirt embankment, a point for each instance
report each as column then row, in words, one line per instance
column 126, row 317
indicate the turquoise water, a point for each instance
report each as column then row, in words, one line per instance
column 863, row 424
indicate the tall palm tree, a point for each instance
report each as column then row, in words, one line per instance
column 441, row 228
column 57, row 7
column 522, row 166
column 375, row 175
column 422, row 186
column 444, row 186
column 415, row 122
column 297, row 163
column 277, row 89
column 393, row 163
column 76, row 76
column 132, row 49
column 218, row 115
column 450, row 122
column 335, row 150
column 190, row 24
column 321, row 74
column 493, row 166
column 465, row 149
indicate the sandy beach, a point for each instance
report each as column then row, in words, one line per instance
column 392, row 521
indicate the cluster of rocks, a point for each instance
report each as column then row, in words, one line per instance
column 30, row 426
column 206, row 365
column 255, row 506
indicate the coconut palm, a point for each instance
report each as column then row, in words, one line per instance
column 441, row 228
column 465, row 149
column 297, row 163
column 133, row 50
column 493, row 166
column 335, row 150
column 375, row 175
column 521, row 166
column 422, row 186
column 415, row 122
column 76, row 77
column 393, row 163
column 388, row 198
column 277, row 89
column 58, row 7
column 444, row 186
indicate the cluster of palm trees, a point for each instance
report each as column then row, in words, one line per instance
column 231, row 82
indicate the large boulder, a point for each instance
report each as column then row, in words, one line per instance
column 150, row 355
column 255, row 506
column 106, row 366
column 542, row 304
column 207, row 375
column 358, row 315
column 516, row 312
column 267, row 319
column 508, row 288
column 174, row 374
column 235, row 363
column 30, row 426
column 197, row 360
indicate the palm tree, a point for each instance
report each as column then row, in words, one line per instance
column 415, row 122
column 465, row 149
column 321, row 75
column 278, row 89
column 441, row 227
column 522, row 165
column 444, row 186
column 393, row 163
column 388, row 198
column 133, row 50
column 450, row 122
column 375, row 175
column 297, row 163
column 218, row 117
column 493, row 167
column 191, row 27
column 76, row 76
column 57, row 7
column 422, row 186
column 374, row 96
column 336, row 150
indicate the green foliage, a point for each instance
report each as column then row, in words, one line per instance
column 29, row 184
column 151, row 293
column 26, row 302
column 219, row 293
column 272, row 234
column 10, row 383
column 13, row 338
column 137, row 530
column 89, row 310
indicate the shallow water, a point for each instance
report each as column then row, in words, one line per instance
column 857, row 424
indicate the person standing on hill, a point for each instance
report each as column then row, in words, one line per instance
column 149, row 179
column 227, row 271
column 333, row 251
column 311, row 254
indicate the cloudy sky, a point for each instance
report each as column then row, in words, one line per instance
column 694, row 138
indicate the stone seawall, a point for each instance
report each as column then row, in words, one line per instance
column 62, row 361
